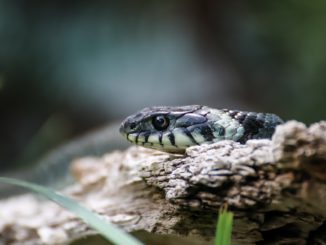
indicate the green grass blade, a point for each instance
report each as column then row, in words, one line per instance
column 224, row 228
column 228, row 228
column 106, row 229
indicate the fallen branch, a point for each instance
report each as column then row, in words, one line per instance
column 276, row 189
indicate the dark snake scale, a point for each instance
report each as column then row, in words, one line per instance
column 173, row 129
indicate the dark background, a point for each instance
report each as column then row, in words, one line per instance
column 67, row 67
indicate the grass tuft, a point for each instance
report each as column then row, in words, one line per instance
column 109, row 231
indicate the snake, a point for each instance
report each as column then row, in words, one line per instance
column 165, row 128
column 175, row 128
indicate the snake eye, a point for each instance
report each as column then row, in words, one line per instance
column 160, row 122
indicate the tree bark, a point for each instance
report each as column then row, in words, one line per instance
column 275, row 188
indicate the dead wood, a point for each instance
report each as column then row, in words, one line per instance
column 276, row 189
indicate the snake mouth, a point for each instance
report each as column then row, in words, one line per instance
column 143, row 138
column 132, row 137
column 154, row 141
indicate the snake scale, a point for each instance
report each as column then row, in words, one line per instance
column 173, row 129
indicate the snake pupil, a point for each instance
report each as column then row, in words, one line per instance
column 160, row 122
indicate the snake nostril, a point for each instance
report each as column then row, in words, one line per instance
column 132, row 125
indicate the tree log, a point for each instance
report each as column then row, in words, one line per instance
column 275, row 188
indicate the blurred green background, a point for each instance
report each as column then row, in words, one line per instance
column 67, row 67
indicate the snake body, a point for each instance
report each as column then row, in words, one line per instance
column 173, row 129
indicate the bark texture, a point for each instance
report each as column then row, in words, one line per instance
column 276, row 189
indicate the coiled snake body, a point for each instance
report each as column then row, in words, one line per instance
column 173, row 129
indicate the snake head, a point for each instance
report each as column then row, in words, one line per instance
column 173, row 129
column 170, row 129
